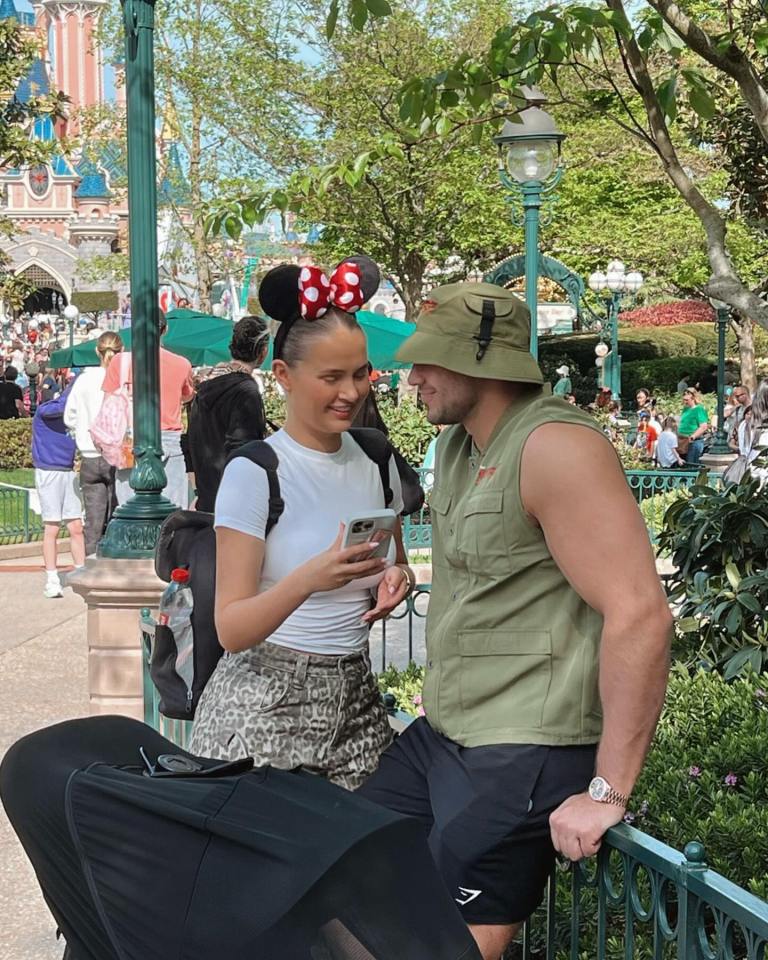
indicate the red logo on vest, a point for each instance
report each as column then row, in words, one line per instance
column 483, row 473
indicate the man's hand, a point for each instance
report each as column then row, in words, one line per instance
column 579, row 823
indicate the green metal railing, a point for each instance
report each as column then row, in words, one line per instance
column 417, row 529
column 656, row 490
column 643, row 899
column 18, row 522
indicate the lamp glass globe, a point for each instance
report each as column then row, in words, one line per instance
column 602, row 350
column 633, row 281
column 71, row 312
column 597, row 281
column 531, row 160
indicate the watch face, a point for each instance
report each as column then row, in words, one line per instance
column 38, row 180
column 598, row 788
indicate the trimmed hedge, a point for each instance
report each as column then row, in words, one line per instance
column 662, row 375
column 15, row 444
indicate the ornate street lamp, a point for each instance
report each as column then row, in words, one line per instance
column 134, row 527
column 529, row 165
column 614, row 284
column 719, row 445
column 71, row 313
column 32, row 370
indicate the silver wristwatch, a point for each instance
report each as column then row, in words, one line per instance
column 601, row 791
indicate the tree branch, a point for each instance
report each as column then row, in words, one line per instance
column 734, row 62
column 723, row 284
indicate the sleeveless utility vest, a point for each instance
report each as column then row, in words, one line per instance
column 512, row 649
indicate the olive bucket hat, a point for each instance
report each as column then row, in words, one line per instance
column 477, row 329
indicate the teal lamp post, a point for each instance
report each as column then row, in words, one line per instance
column 719, row 445
column 529, row 165
column 614, row 285
column 134, row 527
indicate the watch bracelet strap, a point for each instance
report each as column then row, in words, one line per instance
column 618, row 799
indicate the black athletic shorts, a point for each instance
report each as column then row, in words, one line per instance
column 486, row 810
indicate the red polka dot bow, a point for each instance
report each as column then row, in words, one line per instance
column 317, row 292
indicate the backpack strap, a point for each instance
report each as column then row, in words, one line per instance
column 377, row 448
column 262, row 454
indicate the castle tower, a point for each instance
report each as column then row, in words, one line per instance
column 78, row 68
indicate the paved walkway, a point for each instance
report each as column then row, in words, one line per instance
column 43, row 679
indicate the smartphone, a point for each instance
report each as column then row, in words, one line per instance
column 376, row 526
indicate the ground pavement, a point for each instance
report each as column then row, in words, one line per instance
column 43, row 679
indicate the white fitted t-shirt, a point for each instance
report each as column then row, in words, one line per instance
column 320, row 490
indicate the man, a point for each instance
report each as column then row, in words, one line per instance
column 175, row 389
column 740, row 401
column 11, row 396
column 548, row 631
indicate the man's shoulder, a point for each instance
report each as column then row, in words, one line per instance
column 174, row 361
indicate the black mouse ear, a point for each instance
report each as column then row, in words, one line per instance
column 279, row 292
column 370, row 275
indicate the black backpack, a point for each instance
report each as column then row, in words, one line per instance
column 187, row 539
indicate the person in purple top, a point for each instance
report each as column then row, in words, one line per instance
column 53, row 456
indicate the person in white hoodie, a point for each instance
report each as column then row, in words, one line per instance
column 97, row 477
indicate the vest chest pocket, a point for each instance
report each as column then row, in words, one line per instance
column 443, row 522
column 483, row 540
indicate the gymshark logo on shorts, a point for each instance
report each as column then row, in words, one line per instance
column 469, row 896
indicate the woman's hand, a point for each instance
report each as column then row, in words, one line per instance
column 393, row 589
column 336, row 567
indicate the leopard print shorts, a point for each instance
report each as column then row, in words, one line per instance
column 291, row 709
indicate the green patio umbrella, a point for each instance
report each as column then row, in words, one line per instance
column 204, row 341
column 191, row 329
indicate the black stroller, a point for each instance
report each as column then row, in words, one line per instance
column 144, row 852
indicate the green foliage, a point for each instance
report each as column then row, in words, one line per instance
column 94, row 301
column 405, row 686
column 113, row 267
column 24, row 477
column 661, row 375
column 654, row 508
column 409, row 429
column 274, row 403
column 711, row 730
column 15, row 444
column 718, row 542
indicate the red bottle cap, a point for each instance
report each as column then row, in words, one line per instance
column 179, row 575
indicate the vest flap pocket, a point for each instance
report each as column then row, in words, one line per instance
column 490, row 501
column 440, row 501
column 490, row 643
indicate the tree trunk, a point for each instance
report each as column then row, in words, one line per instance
column 199, row 239
column 745, row 337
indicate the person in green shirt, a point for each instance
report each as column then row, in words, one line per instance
column 544, row 677
column 563, row 386
column 694, row 423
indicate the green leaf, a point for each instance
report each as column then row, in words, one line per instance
column 667, row 96
column 750, row 602
column 358, row 13
column 331, row 19
column 735, row 663
column 733, row 620
column 760, row 39
column 689, row 625
column 702, row 103
column 734, row 577
column 378, row 8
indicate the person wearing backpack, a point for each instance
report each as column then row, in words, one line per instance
column 227, row 410
column 97, row 476
column 293, row 609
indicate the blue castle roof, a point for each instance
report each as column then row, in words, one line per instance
column 173, row 189
column 8, row 11
column 35, row 84
column 93, row 184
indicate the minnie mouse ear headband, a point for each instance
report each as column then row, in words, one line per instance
column 288, row 292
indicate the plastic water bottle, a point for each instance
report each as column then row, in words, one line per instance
column 176, row 605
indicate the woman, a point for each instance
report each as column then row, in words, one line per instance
column 293, row 610
column 227, row 410
column 97, row 477
column 563, row 386
column 694, row 424
column 753, row 431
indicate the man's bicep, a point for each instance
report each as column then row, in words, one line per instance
column 573, row 486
